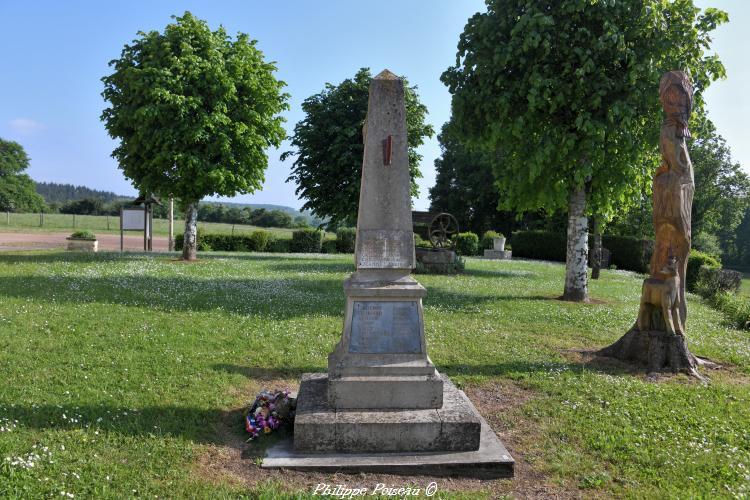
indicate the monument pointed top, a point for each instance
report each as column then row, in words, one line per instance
column 386, row 75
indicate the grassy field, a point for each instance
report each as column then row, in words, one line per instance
column 125, row 376
column 111, row 224
column 745, row 287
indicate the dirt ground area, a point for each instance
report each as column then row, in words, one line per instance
column 108, row 242
column 234, row 461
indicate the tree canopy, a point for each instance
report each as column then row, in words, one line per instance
column 569, row 92
column 17, row 190
column 328, row 146
column 195, row 112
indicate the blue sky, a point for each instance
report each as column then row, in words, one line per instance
column 54, row 54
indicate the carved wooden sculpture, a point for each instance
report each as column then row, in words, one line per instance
column 657, row 339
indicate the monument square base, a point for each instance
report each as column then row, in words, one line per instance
column 452, row 440
column 381, row 361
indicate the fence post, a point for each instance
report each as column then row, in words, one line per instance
column 7, row 217
column 41, row 219
column 107, row 222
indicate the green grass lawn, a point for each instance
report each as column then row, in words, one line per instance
column 111, row 224
column 121, row 375
column 745, row 287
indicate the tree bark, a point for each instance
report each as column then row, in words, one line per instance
column 190, row 240
column 576, row 261
column 596, row 263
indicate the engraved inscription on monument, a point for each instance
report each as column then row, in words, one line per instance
column 381, row 249
column 385, row 327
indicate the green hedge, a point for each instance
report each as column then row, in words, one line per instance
column 329, row 246
column 541, row 245
column 467, row 243
column 632, row 254
column 629, row 253
column 258, row 241
column 307, row 240
column 696, row 260
column 345, row 239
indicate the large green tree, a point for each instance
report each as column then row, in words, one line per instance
column 17, row 190
column 195, row 112
column 328, row 146
column 568, row 91
column 722, row 190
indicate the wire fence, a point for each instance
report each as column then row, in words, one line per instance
column 37, row 221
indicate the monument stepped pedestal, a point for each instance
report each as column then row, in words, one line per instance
column 383, row 405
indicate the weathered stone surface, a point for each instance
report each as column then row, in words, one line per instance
column 385, row 327
column 381, row 361
column 320, row 427
column 460, row 424
column 498, row 254
column 384, row 226
column 312, row 424
column 435, row 256
column 83, row 245
column 386, row 392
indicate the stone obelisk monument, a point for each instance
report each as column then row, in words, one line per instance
column 381, row 360
column 382, row 397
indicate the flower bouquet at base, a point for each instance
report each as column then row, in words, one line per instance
column 269, row 411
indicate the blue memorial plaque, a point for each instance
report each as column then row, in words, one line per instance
column 380, row 327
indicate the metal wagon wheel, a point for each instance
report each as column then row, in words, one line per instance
column 442, row 229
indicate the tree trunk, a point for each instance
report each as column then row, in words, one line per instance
column 190, row 240
column 576, row 261
column 596, row 263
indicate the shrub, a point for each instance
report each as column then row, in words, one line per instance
column 260, row 240
column 736, row 308
column 307, row 241
column 467, row 243
column 345, row 239
column 629, row 253
column 706, row 243
column 419, row 242
column 542, row 245
column 83, row 235
column 330, row 246
column 696, row 260
column 713, row 280
column 487, row 237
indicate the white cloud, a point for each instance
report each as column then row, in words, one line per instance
column 26, row 125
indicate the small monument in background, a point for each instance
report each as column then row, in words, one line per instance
column 382, row 405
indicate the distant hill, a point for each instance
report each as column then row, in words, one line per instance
column 63, row 193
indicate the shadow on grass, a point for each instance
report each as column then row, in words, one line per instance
column 291, row 295
column 511, row 369
column 196, row 424
column 225, row 427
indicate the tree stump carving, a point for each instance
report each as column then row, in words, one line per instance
column 657, row 339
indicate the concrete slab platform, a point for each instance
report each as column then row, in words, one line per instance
column 491, row 460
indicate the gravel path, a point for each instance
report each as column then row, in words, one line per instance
column 37, row 241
